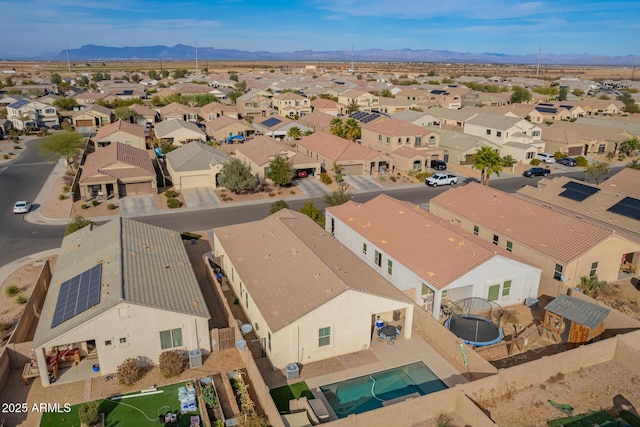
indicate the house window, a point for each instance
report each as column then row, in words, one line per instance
column 602, row 148
column 444, row 294
column 399, row 141
column 123, row 340
column 378, row 259
column 389, row 266
column 107, row 343
column 495, row 239
column 418, row 141
column 488, row 131
column 594, row 269
column 127, row 142
column 557, row 273
column 246, row 299
column 364, row 248
column 509, row 246
column 535, row 133
column 476, row 230
column 407, row 141
column 379, row 137
column 432, row 140
column 498, row 133
column 388, row 140
column 529, row 155
column 269, row 340
column 506, row 288
column 171, row 338
column 324, row 336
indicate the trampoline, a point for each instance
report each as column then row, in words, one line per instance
column 476, row 321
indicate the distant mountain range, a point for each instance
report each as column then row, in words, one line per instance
column 183, row 52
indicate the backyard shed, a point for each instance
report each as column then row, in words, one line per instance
column 574, row 321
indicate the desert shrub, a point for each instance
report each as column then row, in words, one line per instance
column 172, row 363
column 581, row 161
column 392, row 178
column 443, row 420
column 421, row 176
column 111, row 206
column 129, row 371
column 272, row 195
column 95, row 203
column 5, row 156
column 66, row 188
column 17, row 147
column 173, row 203
column 559, row 155
column 170, row 194
column 89, row 412
column 276, row 206
column 84, row 206
column 535, row 162
column 62, row 197
column 21, row 299
column 325, row 178
column 13, row 290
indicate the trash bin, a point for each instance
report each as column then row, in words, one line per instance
column 291, row 371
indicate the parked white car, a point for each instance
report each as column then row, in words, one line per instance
column 21, row 207
column 441, row 179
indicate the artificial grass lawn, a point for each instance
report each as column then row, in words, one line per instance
column 117, row 413
column 282, row 395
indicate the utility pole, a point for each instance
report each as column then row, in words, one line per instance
column 196, row 57
column 68, row 63
column 538, row 66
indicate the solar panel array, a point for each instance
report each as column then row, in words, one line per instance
column 19, row 103
column 577, row 191
column 364, row 117
column 78, row 294
column 545, row 104
column 546, row 109
column 272, row 121
column 629, row 207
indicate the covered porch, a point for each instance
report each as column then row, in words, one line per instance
column 67, row 362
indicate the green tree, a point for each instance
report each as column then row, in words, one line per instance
column 520, row 95
column 280, row 172
column 352, row 107
column 83, row 81
column 578, row 92
column 635, row 164
column 124, row 113
column 386, row 93
column 310, row 210
column 629, row 146
column 153, row 74
column 629, row 102
column 336, row 126
column 64, row 145
column 76, row 224
column 234, row 95
column 352, row 129
column 508, row 161
column 237, row 177
column 135, row 78
column 56, row 79
column 179, row 73
column 596, row 170
column 307, row 132
column 338, row 197
column 294, row 132
column 241, row 86
column 277, row 206
column 233, row 77
column 592, row 286
column 488, row 162
column 562, row 94
column 89, row 412
column 65, row 103
column 165, row 74
column 98, row 77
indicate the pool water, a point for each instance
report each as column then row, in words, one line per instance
column 368, row 392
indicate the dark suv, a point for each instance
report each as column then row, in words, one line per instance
column 536, row 172
column 438, row 165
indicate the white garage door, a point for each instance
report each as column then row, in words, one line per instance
column 194, row 181
column 352, row 170
column 138, row 188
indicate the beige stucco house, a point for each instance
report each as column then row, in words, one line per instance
column 177, row 111
column 120, row 131
column 178, row 132
column 308, row 297
column 26, row 114
column 290, row 104
column 224, row 127
column 121, row 290
column 92, row 116
column 195, row 165
column 565, row 247
column 261, row 151
column 253, row 105
column 364, row 100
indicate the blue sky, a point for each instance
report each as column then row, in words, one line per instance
column 612, row 28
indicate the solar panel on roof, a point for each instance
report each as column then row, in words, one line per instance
column 546, row 110
column 577, row 191
column 272, row 121
column 629, row 207
column 78, row 294
column 544, row 104
column 568, row 107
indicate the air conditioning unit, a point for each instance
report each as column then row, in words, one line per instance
column 195, row 358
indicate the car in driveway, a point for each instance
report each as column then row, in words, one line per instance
column 536, row 172
column 438, row 165
column 21, row 207
column 441, row 179
column 566, row 161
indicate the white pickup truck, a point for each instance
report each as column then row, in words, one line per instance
column 441, row 179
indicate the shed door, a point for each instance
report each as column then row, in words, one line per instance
column 494, row 292
column 84, row 123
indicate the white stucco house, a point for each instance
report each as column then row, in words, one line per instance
column 430, row 260
column 307, row 296
column 121, row 290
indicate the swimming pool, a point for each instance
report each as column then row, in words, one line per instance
column 368, row 392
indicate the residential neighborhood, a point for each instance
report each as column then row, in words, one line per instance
column 283, row 230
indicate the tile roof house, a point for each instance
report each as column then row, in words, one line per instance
column 195, row 165
column 308, row 297
column 255, row 105
column 178, row 131
column 92, row 116
column 214, row 110
column 327, row 106
column 277, row 127
column 120, row 131
column 428, row 258
column 354, row 158
column 564, row 246
column 27, row 114
column 411, row 147
column 625, row 181
column 225, row 127
column 260, row 151
column 117, row 170
column 581, row 139
column 121, row 290
column 317, row 121
column 145, row 115
column 459, row 147
column 290, row 104
column 176, row 111
column 365, row 101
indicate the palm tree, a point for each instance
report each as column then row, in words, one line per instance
column 487, row 162
column 336, row 126
column 294, row 133
column 352, row 129
column 630, row 146
column 352, row 107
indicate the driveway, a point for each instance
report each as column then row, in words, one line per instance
column 362, row 183
column 200, row 197
column 311, row 187
column 142, row 205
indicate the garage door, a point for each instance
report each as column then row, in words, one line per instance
column 575, row 151
column 195, row 181
column 138, row 188
column 84, row 122
column 352, row 170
